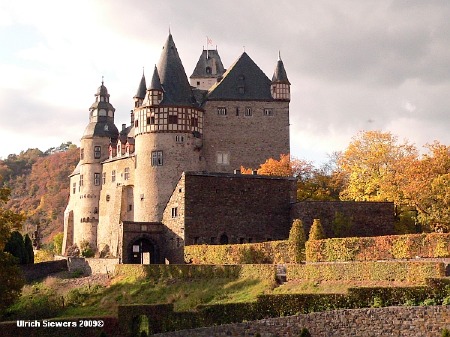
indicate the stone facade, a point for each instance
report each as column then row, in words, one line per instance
column 392, row 321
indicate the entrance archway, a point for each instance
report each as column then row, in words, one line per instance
column 142, row 251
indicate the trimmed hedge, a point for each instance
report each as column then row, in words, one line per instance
column 410, row 246
column 272, row 252
column 181, row 271
column 407, row 271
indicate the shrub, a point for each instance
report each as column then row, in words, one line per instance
column 304, row 333
column 86, row 249
column 316, row 232
column 29, row 249
column 16, row 247
column 445, row 333
column 297, row 239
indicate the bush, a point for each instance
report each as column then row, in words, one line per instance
column 305, row 333
column 86, row 249
column 445, row 333
column 316, row 232
column 297, row 239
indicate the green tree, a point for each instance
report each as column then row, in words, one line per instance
column 16, row 247
column 316, row 232
column 297, row 239
column 29, row 249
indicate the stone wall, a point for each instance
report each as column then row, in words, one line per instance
column 33, row 272
column 90, row 266
column 247, row 140
column 235, row 208
column 347, row 218
column 392, row 321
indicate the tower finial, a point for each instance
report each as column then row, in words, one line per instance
column 169, row 30
column 103, row 79
column 279, row 55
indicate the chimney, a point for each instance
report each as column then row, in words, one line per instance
column 124, row 126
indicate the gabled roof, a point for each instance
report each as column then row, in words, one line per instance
column 211, row 59
column 244, row 80
column 279, row 75
column 177, row 90
column 142, row 89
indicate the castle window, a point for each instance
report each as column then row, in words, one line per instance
column 237, row 111
column 152, row 120
column 194, row 122
column 95, row 210
column 173, row 119
column 136, row 123
column 157, row 158
column 96, row 179
column 196, row 239
column 97, row 152
column 113, row 176
column 248, row 112
column 108, row 197
column 148, row 120
column 130, row 208
column 103, row 178
column 174, row 212
column 179, row 138
column 268, row 112
column 81, row 154
column 81, row 180
column 74, row 188
column 223, row 158
column 198, row 83
column 222, row 111
column 126, row 174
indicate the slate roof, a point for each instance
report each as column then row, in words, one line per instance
column 177, row 90
column 279, row 75
column 244, row 80
column 102, row 128
column 156, row 82
column 142, row 89
column 209, row 59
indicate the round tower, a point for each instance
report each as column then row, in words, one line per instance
column 94, row 149
column 168, row 136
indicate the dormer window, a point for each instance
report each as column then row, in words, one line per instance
column 208, row 70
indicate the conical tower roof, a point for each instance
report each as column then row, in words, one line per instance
column 279, row 75
column 175, row 84
column 156, row 81
column 142, row 89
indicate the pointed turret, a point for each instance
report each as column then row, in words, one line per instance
column 155, row 91
column 140, row 94
column 174, row 82
column 280, row 87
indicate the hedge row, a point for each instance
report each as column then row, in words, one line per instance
column 410, row 246
column 401, row 271
column 162, row 318
column 272, row 252
column 181, row 271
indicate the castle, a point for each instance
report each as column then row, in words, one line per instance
column 171, row 178
column 215, row 123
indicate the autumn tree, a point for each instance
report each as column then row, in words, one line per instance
column 372, row 166
column 427, row 186
column 11, row 278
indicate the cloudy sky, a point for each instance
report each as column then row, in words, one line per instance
column 353, row 65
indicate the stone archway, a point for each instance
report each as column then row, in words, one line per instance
column 142, row 251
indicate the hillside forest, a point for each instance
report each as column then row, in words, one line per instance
column 375, row 166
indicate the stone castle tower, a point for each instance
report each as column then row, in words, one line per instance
column 220, row 121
